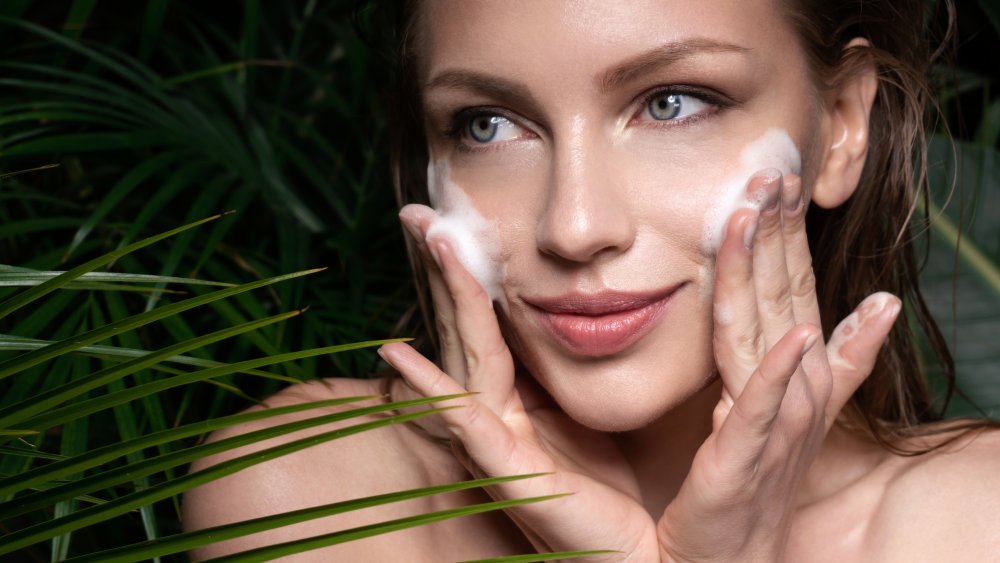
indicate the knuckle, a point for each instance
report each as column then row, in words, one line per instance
column 494, row 352
column 439, row 383
column 752, row 344
column 444, row 327
column 469, row 415
column 777, row 303
column 803, row 283
column 747, row 346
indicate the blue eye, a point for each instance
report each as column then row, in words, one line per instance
column 488, row 128
column 484, row 127
column 666, row 106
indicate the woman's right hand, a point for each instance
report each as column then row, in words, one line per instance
column 495, row 435
column 783, row 387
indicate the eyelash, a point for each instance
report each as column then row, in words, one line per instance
column 459, row 122
column 716, row 101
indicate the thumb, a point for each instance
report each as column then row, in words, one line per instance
column 854, row 346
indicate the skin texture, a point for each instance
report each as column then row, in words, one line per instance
column 711, row 437
column 595, row 196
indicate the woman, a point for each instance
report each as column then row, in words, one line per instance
column 616, row 250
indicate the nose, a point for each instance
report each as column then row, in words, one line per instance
column 587, row 214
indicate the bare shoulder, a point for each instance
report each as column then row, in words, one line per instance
column 375, row 462
column 943, row 505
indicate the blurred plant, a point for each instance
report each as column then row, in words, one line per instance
column 282, row 125
column 962, row 275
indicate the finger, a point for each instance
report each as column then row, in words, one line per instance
column 748, row 425
column 802, row 284
column 854, row 347
column 737, row 337
column 774, row 303
column 417, row 220
column 489, row 364
column 489, row 442
column 801, row 279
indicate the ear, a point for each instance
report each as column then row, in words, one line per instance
column 846, row 134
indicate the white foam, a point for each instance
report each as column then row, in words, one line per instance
column 774, row 149
column 848, row 328
column 475, row 240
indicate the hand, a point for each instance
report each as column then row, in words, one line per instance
column 494, row 434
column 783, row 388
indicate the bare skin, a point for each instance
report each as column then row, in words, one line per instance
column 871, row 506
column 712, row 437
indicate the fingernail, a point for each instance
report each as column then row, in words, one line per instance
column 809, row 343
column 411, row 228
column 749, row 230
column 384, row 355
column 878, row 303
column 791, row 194
column 897, row 305
column 771, row 203
column 772, row 189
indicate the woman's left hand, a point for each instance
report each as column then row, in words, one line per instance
column 783, row 388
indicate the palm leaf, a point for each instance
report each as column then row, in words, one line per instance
column 192, row 540
column 79, row 473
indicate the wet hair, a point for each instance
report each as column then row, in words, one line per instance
column 854, row 253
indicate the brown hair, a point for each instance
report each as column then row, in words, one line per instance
column 853, row 254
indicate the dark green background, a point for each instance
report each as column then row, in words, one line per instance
column 277, row 111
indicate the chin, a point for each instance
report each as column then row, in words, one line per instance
column 615, row 398
column 611, row 418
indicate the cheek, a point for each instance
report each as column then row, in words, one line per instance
column 475, row 239
column 510, row 199
column 691, row 198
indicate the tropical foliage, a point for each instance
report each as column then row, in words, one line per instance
column 125, row 337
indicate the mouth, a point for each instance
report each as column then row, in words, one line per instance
column 604, row 323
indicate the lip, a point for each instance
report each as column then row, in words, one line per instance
column 604, row 323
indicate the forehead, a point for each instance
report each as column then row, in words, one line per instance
column 558, row 39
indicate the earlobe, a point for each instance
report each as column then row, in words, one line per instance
column 847, row 117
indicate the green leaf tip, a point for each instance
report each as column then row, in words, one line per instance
column 25, row 171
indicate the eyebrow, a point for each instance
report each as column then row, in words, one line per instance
column 483, row 83
column 643, row 63
column 663, row 56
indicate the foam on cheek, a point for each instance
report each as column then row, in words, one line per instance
column 774, row 149
column 475, row 240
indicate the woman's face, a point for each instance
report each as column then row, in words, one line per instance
column 602, row 140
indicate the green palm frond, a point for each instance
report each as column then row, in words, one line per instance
column 77, row 488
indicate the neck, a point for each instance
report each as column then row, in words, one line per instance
column 661, row 453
